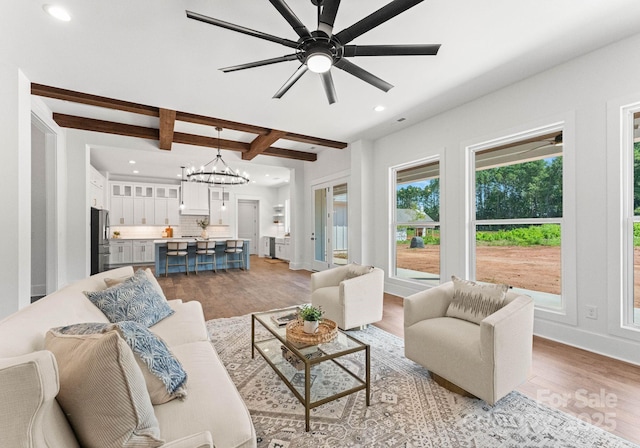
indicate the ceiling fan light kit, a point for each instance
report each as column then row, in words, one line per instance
column 320, row 50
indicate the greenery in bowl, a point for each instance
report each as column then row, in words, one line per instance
column 204, row 223
column 311, row 313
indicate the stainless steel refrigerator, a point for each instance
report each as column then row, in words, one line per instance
column 99, row 240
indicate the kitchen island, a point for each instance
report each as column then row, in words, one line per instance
column 221, row 244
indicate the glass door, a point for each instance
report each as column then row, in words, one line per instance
column 330, row 226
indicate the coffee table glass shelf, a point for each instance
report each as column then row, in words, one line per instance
column 315, row 374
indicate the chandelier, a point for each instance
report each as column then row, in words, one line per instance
column 218, row 174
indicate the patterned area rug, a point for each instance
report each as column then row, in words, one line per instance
column 408, row 409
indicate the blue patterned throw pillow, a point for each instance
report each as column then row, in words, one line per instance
column 135, row 299
column 163, row 374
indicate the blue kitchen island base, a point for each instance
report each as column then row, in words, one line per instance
column 161, row 256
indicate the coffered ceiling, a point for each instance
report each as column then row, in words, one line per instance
column 148, row 52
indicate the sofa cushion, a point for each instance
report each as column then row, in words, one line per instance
column 473, row 301
column 214, row 403
column 152, row 278
column 135, row 299
column 163, row 374
column 355, row 270
column 185, row 325
column 102, row 391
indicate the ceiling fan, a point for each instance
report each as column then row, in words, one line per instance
column 320, row 50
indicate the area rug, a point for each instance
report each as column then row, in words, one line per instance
column 408, row 409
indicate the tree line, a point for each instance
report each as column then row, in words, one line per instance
column 523, row 190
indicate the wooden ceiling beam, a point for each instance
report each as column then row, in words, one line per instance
column 167, row 123
column 167, row 126
column 92, row 100
column 291, row 154
column 224, row 124
column 128, row 130
column 261, row 143
column 314, row 140
column 106, row 127
column 209, row 142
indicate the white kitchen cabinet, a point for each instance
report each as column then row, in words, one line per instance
column 143, row 251
column 121, row 211
column 278, row 214
column 195, row 196
column 143, row 191
column 144, row 211
column 167, row 205
column 282, row 249
column 121, row 190
column 120, row 252
column 96, row 188
column 218, row 216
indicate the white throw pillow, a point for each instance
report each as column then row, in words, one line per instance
column 355, row 270
column 103, row 392
column 474, row 301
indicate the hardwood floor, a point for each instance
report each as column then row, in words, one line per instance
column 600, row 390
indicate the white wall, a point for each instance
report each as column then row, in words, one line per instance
column 15, row 219
column 577, row 91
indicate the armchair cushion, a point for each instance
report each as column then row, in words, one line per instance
column 474, row 301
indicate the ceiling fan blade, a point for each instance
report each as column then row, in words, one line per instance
column 291, row 17
column 374, row 19
column 329, row 89
column 361, row 73
column 291, row 81
column 391, row 50
column 241, row 29
column 328, row 16
column 290, row 57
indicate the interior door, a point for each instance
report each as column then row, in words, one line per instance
column 248, row 223
column 330, row 226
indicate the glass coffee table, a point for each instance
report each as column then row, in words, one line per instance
column 315, row 374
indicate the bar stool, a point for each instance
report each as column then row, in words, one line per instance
column 177, row 249
column 234, row 247
column 204, row 250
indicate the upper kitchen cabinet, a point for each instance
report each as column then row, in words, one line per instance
column 121, row 208
column 143, row 205
column 195, row 197
column 222, row 207
column 167, row 205
column 97, row 184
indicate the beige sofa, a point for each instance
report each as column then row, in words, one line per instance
column 487, row 360
column 212, row 413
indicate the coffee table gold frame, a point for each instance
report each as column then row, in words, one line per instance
column 326, row 363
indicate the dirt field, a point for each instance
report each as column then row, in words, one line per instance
column 534, row 267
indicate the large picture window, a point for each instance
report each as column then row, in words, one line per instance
column 417, row 222
column 518, row 215
column 633, row 218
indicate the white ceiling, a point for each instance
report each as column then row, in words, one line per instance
column 148, row 52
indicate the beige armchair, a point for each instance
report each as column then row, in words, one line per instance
column 487, row 360
column 350, row 302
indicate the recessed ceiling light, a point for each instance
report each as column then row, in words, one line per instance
column 253, row 181
column 179, row 175
column 135, row 171
column 132, row 162
column 379, row 108
column 266, row 175
column 58, row 12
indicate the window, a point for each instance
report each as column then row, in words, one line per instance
column 518, row 215
column 633, row 227
column 417, row 222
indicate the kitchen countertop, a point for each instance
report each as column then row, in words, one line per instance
column 194, row 239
